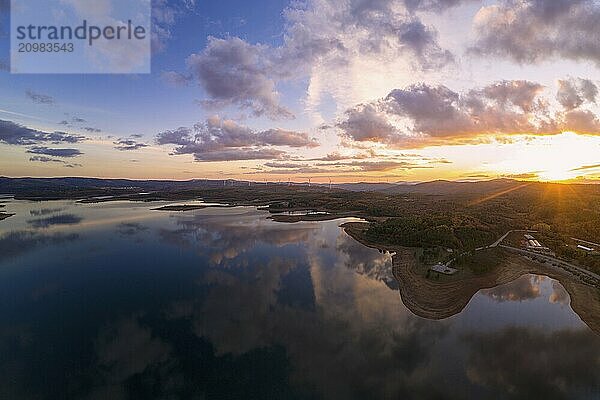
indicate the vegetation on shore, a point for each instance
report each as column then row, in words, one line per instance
column 457, row 216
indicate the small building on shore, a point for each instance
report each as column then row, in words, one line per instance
column 443, row 269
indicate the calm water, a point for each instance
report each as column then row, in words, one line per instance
column 114, row 301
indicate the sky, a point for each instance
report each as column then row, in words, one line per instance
column 347, row 90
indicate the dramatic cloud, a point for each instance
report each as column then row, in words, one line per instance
column 433, row 115
column 367, row 122
column 39, row 98
column 128, row 144
column 572, row 93
column 530, row 31
column 317, row 33
column 12, row 133
column 55, row 152
column 223, row 140
column 234, row 72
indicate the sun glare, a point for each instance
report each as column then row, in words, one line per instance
column 553, row 158
column 556, row 175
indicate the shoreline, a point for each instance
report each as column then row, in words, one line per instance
column 440, row 300
column 4, row 216
column 290, row 219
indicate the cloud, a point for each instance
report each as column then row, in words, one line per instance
column 283, row 165
column 15, row 134
column 318, row 35
column 340, row 167
column 531, row 31
column 180, row 136
column 55, row 152
column 175, row 79
column 79, row 120
column 128, row 144
column 378, row 166
column 45, row 159
column 92, row 129
column 572, row 93
column 330, row 29
column 368, row 122
column 232, row 71
column 39, row 98
column 585, row 167
column 421, row 115
column 222, row 140
column 434, row 5
column 240, row 154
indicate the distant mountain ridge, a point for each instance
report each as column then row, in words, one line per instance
column 437, row 187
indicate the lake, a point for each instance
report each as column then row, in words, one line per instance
column 117, row 301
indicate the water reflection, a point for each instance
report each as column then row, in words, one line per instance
column 45, row 211
column 131, row 228
column 527, row 288
column 16, row 243
column 531, row 364
column 524, row 288
column 61, row 219
column 227, row 304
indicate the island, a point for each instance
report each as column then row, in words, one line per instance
column 182, row 207
column 4, row 215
